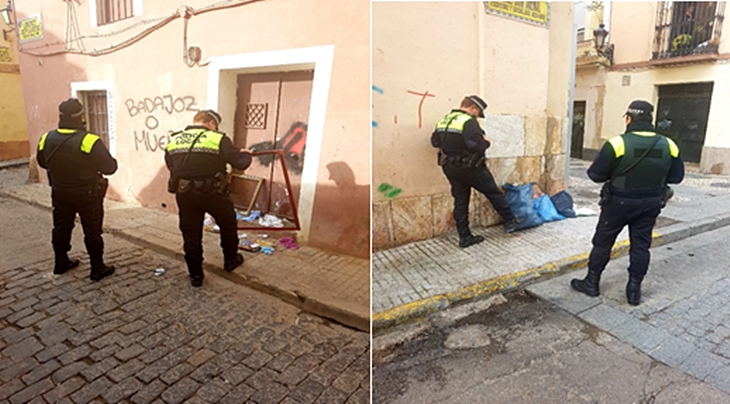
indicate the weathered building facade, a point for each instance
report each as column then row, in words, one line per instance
column 13, row 128
column 672, row 54
column 426, row 58
column 284, row 74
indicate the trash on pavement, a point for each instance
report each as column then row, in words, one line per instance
column 209, row 224
column 159, row 271
column 563, row 202
column 289, row 243
column 271, row 221
column 248, row 246
column 520, row 199
column 267, row 250
column 265, row 243
column 546, row 210
column 255, row 214
column 585, row 212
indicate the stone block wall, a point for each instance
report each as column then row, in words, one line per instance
column 525, row 149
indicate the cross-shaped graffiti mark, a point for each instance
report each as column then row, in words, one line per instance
column 420, row 105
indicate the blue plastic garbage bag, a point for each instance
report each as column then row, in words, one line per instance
column 563, row 203
column 519, row 199
column 546, row 210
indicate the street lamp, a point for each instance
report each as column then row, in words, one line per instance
column 5, row 11
column 603, row 49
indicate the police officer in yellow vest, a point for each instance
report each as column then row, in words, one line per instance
column 462, row 144
column 75, row 160
column 636, row 168
column 197, row 158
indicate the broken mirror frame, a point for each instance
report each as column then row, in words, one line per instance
column 280, row 154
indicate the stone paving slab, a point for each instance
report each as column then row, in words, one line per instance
column 683, row 318
column 327, row 284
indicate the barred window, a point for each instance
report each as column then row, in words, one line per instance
column 109, row 11
column 97, row 114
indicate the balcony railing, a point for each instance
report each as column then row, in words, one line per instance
column 688, row 28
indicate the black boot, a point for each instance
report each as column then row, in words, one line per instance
column 588, row 285
column 469, row 241
column 197, row 280
column 633, row 292
column 230, row 265
column 63, row 266
column 102, row 272
column 511, row 226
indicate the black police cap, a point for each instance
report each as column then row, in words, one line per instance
column 71, row 107
column 639, row 108
column 479, row 103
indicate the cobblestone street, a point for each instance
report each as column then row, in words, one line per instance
column 143, row 338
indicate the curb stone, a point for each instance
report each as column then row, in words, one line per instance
column 386, row 321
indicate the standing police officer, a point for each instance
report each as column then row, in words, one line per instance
column 75, row 160
column 196, row 158
column 636, row 166
column 462, row 144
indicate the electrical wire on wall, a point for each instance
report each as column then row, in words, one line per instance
column 193, row 54
column 185, row 12
column 73, row 33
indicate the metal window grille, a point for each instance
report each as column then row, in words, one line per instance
column 256, row 116
column 97, row 114
column 109, row 11
column 688, row 28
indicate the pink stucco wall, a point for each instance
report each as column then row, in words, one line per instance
column 153, row 68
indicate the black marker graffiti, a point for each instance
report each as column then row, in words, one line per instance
column 154, row 110
column 166, row 103
column 293, row 145
column 150, row 142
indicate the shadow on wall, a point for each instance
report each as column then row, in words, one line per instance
column 154, row 195
column 341, row 215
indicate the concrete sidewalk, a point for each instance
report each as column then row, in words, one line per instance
column 412, row 281
column 326, row 284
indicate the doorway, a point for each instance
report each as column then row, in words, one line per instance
column 682, row 114
column 272, row 110
column 579, row 118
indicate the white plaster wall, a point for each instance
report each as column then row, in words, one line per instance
column 454, row 49
column 632, row 32
column 419, row 47
column 645, row 83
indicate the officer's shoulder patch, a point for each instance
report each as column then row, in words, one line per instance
column 617, row 142
column 673, row 148
column 88, row 142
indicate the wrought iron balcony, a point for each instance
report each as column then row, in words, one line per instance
column 687, row 28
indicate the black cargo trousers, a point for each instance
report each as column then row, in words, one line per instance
column 193, row 206
column 66, row 204
column 462, row 180
column 640, row 215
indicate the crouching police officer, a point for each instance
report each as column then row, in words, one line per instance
column 462, row 143
column 196, row 158
column 75, row 160
column 636, row 166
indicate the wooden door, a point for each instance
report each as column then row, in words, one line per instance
column 272, row 113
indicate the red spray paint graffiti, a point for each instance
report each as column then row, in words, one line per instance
column 293, row 145
column 420, row 105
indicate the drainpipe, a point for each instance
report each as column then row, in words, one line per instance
column 571, row 97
